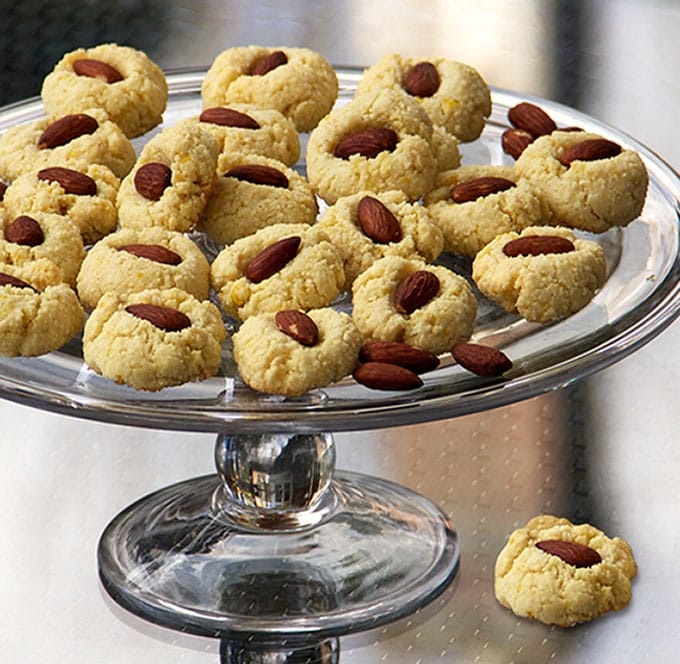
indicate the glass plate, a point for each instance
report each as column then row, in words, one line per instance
column 639, row 299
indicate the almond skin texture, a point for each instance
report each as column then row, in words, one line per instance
column 9, row 280
column 271, row 259
column 377, row 222
column 416, row 359
column 258, row 174
column 268, row 62
column 384, row 376
column 422, row 80
column 65, row 129
column 152, row 179
column 72, row 182
column 572, row 553
column 590, row 150
column 531, row 118
column 297, row 325
column 165, row 318
column 228, row 117
column 97, row 69
column 367, row 143
column 481, row 360
column 514, row 141
column 535, row 245
column 26, row 231
column 479, row 187
column 416, row 291
column 153, row 252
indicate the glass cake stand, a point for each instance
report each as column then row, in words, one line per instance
column 278, row 548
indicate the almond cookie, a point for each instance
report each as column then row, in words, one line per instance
column 453, row 94
column 86, row 196
column 584, row 180
column 367, row 226
column 121, row 80
column 171, row 181
column 376, row 143
column 298, row 82
column 542, row 273
column 562, row 574
column 154, row 339
column 407, row 300
column 286, row 266
column 290, row 352
column 132, row 260
column 252, row 192
column 474, row 204
column 83, row 138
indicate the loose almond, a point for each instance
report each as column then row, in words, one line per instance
column 531, row 118
column 367, row 143
column 422, row 80
column 471, row 190
column 270, row 260
column 572, row 553
column 9, row 280
column 97, row 69
column 384, row 376
column 590, row 150
column 72, row 182
column 165, row 318
column 515, row 141
column 258, row 174
column 377, row 222
column 298, row 326
column 152, row 179
column 410, row 357
column 535, row 245
column 481, row 360
column 65, row 129
column 228, row 117
column 26, row 231
column 153, row 252
column 268, row 62
column 416, row 291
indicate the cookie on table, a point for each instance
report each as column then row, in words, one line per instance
column 171, row 181
column 376, row 143
column 122, row 81
column 407, row 300
column 562, row 574
column 252, row 192
column 154, row 338
column 453, row 93
column 474, row 204
column 132, row 260
column 584, row 180
column 85, row 195
column 543, row 273
column 286, row 266
column 290, row 352
column 83, row 138
column 298, row 82
column 365, row 227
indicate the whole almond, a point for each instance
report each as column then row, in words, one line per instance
column 152, row 179
column 268, row 62
column 410, row 357
column 514, row 141
column 153, row 252
column 481, row 360
column 471, row 190
column 377, row 222
column 165, row 318
column 367, row 143
column 258, row 174
column 65, row 129
column 384, row 376
column 9, row 280
column 72, row 182
column 271, row 259
column 422, row 80
column 572, row 553
column 97, row 69
column 590, row 150
column 3, row 189
column 535, row 245
column 26, row 231
column 228, row 117
column 298, row 326
column 416, row 291
column 531, row 118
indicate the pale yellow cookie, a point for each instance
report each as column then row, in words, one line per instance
column 303, row 87
column 445, row 149
column 135, row 102
column 446, row 319
column 543, row 287
column 563, row 589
